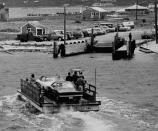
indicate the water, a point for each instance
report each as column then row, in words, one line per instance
column 127, row 89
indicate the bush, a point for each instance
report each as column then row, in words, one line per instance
column 9, row 30
column 78, row 22
column 126, row 18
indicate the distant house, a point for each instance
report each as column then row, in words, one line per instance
column 140, row 9
column 94, row 13
column 132, row 10
column 36, row 12
column 151, row 6
column 104, row 3
column 4, row 14
column 35, row 27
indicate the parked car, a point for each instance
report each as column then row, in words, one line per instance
column 147, row 35
column 99, row 31
column 123, row 28
column 128, row 24
column 45, row 37
column 108, row 29
column 24, row 37
column 56, row 36
column 78, row 34
column 86, row 33
column 59, row 31
column 110, row 25
column 88, row 30
column 69, row 35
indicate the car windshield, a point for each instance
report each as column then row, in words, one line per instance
column 107, row 24
column 59, row 31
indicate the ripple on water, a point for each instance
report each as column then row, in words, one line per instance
column 69, row 120
column 142, row 116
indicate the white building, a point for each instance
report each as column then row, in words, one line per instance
column 23, row 12
column 133, row 9
column 151, row 6
column 104, row 3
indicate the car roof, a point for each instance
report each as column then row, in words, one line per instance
column 96, row 28
column 106, row 23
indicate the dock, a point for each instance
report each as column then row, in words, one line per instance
column 99, row 44
column 105, row 42
column 122, row 48
column 149, row 47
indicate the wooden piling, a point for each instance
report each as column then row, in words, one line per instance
column 92, row 37
column 113, row 50
column 55, row 50
column 62, row 50
column 122, row 53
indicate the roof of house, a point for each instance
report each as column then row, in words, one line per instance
column 121, row 10
column 134, row 7
column 98, row 9
column 35, row 24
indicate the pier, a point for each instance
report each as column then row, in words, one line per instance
column 126, row 51
column 119, row 47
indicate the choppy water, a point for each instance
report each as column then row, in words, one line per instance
column 127, row 89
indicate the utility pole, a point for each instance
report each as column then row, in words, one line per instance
column 156, row 22
column 65, row 5
column 64, row 24
column 136, row 10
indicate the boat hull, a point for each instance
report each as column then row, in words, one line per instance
column 49, row 106
column 74, row 47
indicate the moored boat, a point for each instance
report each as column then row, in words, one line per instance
column 72, row 47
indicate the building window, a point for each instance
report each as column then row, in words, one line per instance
column 39, row 31
column 92, row 14
column 96, row 13
column 29, row 29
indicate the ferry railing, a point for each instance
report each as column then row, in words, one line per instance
column 31, row 90
column 89, row 92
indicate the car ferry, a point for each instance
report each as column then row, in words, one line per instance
column 71, row 47
column 50, row 95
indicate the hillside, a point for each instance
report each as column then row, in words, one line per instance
column 32, row 3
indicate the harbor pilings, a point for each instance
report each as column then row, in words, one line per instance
column 125, row 52
column 55, row 50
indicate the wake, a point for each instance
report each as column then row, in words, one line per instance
column 69, row 119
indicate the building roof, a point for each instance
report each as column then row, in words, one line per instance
column 98, row 9
column 35, row 24
column 134, row 7
column 121, row 10
column 151, row 5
